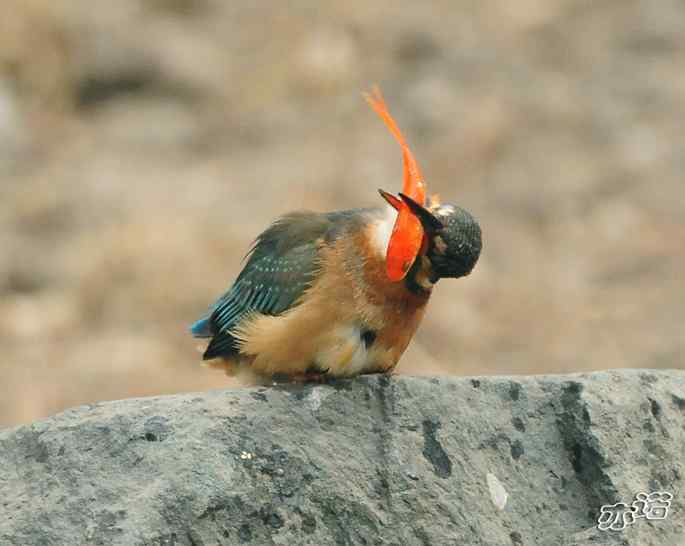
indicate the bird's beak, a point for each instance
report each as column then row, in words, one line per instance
column 429, row 222
column 393, row 201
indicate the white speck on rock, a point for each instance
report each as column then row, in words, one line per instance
column 498, row 494
column 317, row 396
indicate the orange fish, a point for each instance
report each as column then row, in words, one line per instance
column 407, row 234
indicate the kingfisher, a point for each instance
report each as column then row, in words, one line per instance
column 338, row 294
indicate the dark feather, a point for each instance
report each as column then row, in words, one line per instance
column 221, row 344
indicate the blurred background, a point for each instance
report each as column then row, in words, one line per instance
column 145, row 143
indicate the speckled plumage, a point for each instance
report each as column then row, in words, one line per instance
column 281, row 265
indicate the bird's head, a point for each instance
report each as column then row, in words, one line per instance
column 446, row 235
column 451, row 236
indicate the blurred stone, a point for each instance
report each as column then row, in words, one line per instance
column 38, row 316
column 417, row 47
column 152, row 124
column 13, row 133
column 326, row 59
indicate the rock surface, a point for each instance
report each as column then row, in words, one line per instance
column 374, row 460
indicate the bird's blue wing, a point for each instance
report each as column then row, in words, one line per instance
column 282, row 264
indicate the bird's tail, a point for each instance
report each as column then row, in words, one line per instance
column 201, row 328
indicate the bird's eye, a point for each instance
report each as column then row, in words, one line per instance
column 440, row 244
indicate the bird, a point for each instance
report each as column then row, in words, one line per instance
column 339, row 294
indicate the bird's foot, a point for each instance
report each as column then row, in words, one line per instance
column 310, row 377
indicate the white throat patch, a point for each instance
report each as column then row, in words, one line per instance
column 382, row 229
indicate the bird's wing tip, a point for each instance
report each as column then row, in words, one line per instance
column 200, row 328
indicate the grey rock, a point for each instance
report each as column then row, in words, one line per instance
column 374, row 460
